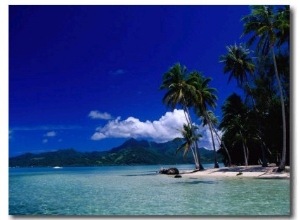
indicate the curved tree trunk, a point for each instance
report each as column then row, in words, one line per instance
column 197, row 151
column 193, row 152
column 283, row 158
column 223, row 144
column 244, row 150
column 215, row 152
column 228, row 155
column 212, row 139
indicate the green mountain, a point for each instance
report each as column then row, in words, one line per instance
column 131, row 152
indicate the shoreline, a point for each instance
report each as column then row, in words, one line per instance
column 255, row 171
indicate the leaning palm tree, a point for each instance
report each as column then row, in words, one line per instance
column 179, row 87
column 189, row 139
column 202, row 99
column 239, row 64
column 265, row 26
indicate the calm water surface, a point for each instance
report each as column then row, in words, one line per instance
column 138, row 190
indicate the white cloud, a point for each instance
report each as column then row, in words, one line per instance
column 50, row 134
column 45, row 141
column 98, row 115
column 161, row 130
column 164, row 129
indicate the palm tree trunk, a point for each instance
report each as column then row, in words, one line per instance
column 228, row 155
column 283, row 159
column 223, row 144
column 247, row 150
column 262, row 146
column 212, row 139
column 197, row 151
column 244, row 150
column 193, row 152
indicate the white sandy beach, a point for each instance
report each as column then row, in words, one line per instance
column 256, row 171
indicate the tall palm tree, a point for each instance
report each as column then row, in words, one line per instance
column 189, row 138
column 265, row 26
column 234, row 121
column 239, row 64
column 179, row 87
column 202, row 99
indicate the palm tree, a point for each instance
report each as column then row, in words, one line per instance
column 179, row 87
column 203, row 98
column 239, row 64
column 234, row 121
column 189, row 139
column 283, row 24
column 266, row 26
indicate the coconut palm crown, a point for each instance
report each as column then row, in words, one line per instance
column 238, row 63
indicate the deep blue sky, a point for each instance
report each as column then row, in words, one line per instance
column 73, row 69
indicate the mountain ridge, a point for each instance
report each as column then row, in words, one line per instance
column 131, row 152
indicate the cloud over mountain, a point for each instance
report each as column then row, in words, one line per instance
column 162, row 130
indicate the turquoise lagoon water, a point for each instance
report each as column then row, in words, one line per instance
column 139, row 190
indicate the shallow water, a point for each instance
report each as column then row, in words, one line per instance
column 139, row 190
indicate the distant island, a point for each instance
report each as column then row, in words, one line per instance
column 131, row 152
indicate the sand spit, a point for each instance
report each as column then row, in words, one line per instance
column 256, row 171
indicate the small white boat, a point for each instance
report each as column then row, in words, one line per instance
column 57, row 167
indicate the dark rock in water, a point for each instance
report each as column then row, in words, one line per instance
column 163, row 171
column 169, row 171
column 177, row 176
column 173, row 170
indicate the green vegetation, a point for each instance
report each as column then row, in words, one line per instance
column 189, row 139
column 180, row 87
column 189, row 90
column 131, row 152
column 270, row 26
column 251, row 130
